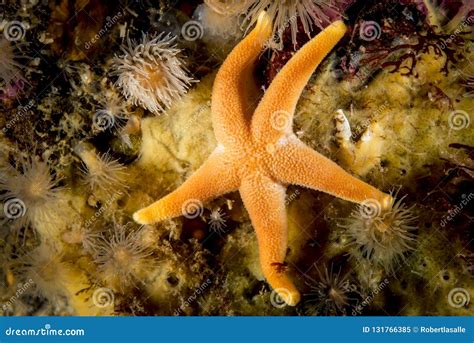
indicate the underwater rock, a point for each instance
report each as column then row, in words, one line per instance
column 392, row 104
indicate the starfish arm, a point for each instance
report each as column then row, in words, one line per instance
column 274, row 114
column 215, row 177
column 296, row 163
column 234, row 85
column 265, row 203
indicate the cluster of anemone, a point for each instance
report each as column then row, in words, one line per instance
column 101, row 172
column 29, row 193
column 331, row 294
column 382, row 235
column 123, row 256
column 289, row 14
column 151, row 73
column 43, row 272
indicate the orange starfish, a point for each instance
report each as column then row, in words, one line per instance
column 259, row 155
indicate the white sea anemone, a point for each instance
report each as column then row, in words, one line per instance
column 102, row 173
column 43, row 270
column 383, row 236
column 31, row 194
column 122, row 256
column 152, row 73
column 330, row 295
column 289, row 13
column 220, row 26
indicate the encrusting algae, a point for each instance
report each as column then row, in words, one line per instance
column 298, row 113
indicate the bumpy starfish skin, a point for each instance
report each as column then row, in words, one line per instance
column 259, row 155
